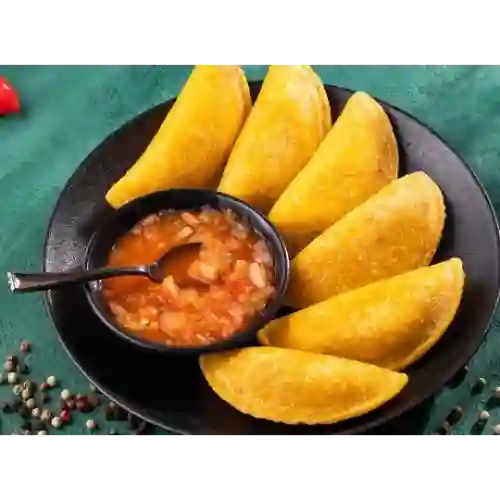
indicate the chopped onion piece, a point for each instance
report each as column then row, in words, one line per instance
column 257, row 275
column 189, row 219
column 184, row 233
column 169, row 287
column 172, row 321
column 150, row 220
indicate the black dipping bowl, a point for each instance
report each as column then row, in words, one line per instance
column 126, row 217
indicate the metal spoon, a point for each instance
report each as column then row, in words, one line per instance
column 24, row 282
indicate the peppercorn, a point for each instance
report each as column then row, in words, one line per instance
column 36, row 412
column 25, row 346
column 70, row 404
column 65, row 416
column 483, row 416
column 91, row 424
column 66, row 395
column 12, row 377
column 30, row 403
column 13, row 359
column 29, row 386
column 9, row 365
column 41, row 433
column 479, row 385
column 496, row 429
column 51, row 381
column 496, row 392
column 56, row 422
column 455, row 415
column 26, row 395
column 46, row 416
column 17, row 390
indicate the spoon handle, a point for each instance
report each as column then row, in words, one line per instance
column 26, row 282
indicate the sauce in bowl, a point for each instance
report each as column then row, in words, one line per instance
column 230, row 279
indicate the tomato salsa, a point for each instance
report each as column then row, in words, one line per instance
column 230, row 278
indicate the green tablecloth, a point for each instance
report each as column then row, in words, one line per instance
column 67, row 111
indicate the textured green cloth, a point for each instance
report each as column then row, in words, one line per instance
column 67, row 111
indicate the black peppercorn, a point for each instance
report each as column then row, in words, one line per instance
column 455, row 415
column 479, row 385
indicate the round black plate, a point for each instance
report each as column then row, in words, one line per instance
column 170, row 391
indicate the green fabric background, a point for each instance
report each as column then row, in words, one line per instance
column 67, row 111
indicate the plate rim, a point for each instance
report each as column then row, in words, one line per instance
column 362, row 428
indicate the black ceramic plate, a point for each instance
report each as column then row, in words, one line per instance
column 170, row 391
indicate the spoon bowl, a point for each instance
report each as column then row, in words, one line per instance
column 35, row 282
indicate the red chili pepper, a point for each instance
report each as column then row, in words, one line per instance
column 9, row 100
